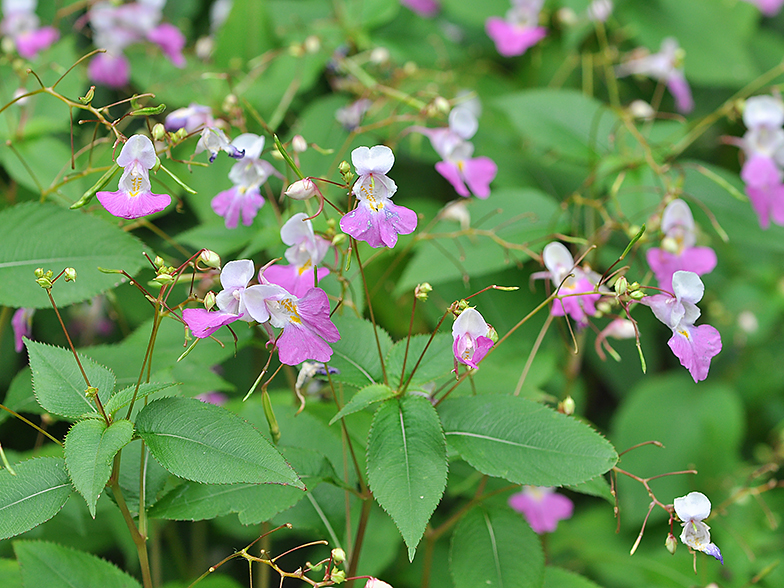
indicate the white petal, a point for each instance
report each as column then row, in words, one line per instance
column 695, row 506
column 557, row 260
column 294, row 231
column 237, row 274
column 767, row 111
column 677, row 214
column 378, row 159
column 137, row 148
column 687, row 287
column 470, row 322
column 463, row 122
column 252, row 144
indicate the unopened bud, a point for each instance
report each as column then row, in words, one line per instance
column 338, row 556
column 344, row 167
column 492, row 334
column 88, row 97
column 91, row 392
column 637, row 295
column 621, row 286
column 210, row 259
column 312, row 44
column 442, row 105
column 158, row 262
column 69, row 274
column 461, row 306
column 566, row 406
column 671, row 543
column 158, row 132
column 299, row 144
column 641, row 109
column 379, row 55
column 301, row 189
column 163, row 279
column 604, row 307
column 422, row 290
column 338, row 576
column 39, row 272
column 209, row 300
column 670, row 245
column 338, row 239
column 45, row 281
column 180, row 134
column 634, row 286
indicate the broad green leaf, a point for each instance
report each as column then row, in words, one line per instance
column 361, row 400
column 560, row 578
column 55, row 566
column 58, row 383
column 357, row 356
column 208, row 444
column 10, row 574
column 90, row 447
column 492, row 547
column 20, row 396
column 247, row 33
column 123, row 397
column 33, row 496
column 47, row 236
column 598, row 486
column 155, row 477
column 406, row 463
column 436, row 363
column 523, row 441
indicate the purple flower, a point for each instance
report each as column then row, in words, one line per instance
column 305, row 321
column 692, row 509
column 191, row 118
column 519, row 31
column 112, row 70
column 560, row 263
column 171, row 41
column 376, row 219
column 204, row 323
column 247, row 175
column 134, row 198
column 470, row 332
column 678, row 251
column 693, row 346
column 768, row 7
column 542, row 507
column 22, row 24
column 427, row 8
column 458, row 167
column 306, row 252
column 214, row 397
column 22, row 324
column 665, row 66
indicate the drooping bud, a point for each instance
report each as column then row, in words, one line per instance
column 158, row 132
column 422, row 290
column 163, row 279
column 338, row 556
column 338, row 576
column 69, row 274
column 345, row 171
column 209, row 300
column 301, row 189
column 210, row 259
column 338, row 239
column 298, row 144
column 621, row 286
column 671, row 543
column 637, row 295
column 567, row 406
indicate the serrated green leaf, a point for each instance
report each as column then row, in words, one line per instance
column 598, row 487
column 123, row 397
column 560, row 578
column 365, row 397
column 155, row 477
column 357, row 356
column 406, row 464
column 47, row 236
column 90, row 447
column 58, row 383
column 10, row 574
column 492, row 547
column 34, row 495
column 20, row 396
column 437, row 362
column 55, row 566
column 208, row 444
column 523, row 441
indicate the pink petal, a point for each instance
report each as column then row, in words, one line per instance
column 542, row 512
column 478, row 173
column 426, row 8
column 109, row 70
column 452, row 173
column 700, row 260
column 760, row 171
column 379, row 228
column 22, row 324
column 680, row 89
column 233, row 202
column 314, row 310
column 298, row 343
column 510, row 39
column 204, row 323
column 123, row 205
column 28, row 44
column 171, row 41
column 695, row 347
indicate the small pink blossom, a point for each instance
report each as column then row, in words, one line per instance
column 768, row 7
column 678, row 251
column 191, row 118
column 214, row 397
column 376, row 219
column 21, row 24
column 108, row 69
column 471, row 338
column 542, row 507
column 22, row 324
column 171, row 41
column 204, row 323
column 426, row 8
column 235, row 277
column 519, row 31
column 134, row 198
column 693, row 346
column 560, row 264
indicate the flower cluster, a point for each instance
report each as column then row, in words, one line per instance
column 692, row 509
column 117, row 27
column 666, row 66
column 306, row 252
column 519, row 30
column 21, row 23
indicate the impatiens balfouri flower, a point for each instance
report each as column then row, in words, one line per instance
column 376, row 219
column 519, row 31
column 471, row 338
column 693, row 346
column 21, row 23
column 22, row 324
column 542, row 507
column 204, row 323
column 135, row 198
column 692, row 509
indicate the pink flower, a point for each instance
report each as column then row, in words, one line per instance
column 134, row 198
column 678, row 251
column 234, row 278
column 693, row 346
column 376, row 583
column 171, row 41
column 216, row 398
column 112, row 70
column 21, row 23
column 665, row 66
column 560, row 263
column 376, row 219
column 471, row 340
column 452, row 145
column 351, row 116
column 204, row 323
column 306, row 252
column 191, row 118
column 22, row 324
column 519, row 31
column 768, row 7
column 765, row 189
column 542, row 507
column 427, row 8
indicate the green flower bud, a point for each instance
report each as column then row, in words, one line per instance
column 180, row 134
column 492, row 334
column 70, row 274
column 210, row 259
column 163, row 279
column 637, row 295
column 621, row 286
column 158, row 132
column 209, row 300
column 91, row 392
column 338, row 239
column 39, row 272
column 158, row 262
column 338, row 556
column 422, row 290
column 567, row 406
column 88, row 97
column 671, row 543
column 338, row 576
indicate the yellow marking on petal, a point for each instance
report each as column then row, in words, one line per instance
column 136, row 186
column 291, row 308
column 305, row 267
column 685, row 334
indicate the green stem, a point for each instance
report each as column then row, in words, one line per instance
column 370, row 309
column 363, row 520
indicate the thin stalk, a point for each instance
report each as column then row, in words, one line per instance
column 429, row 341
column 531, row 355
column 408, row 341
column 363, row 520
column 370, row 309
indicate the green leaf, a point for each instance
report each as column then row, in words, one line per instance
column 247, row 33
column 20, row 396
column 55, row 566
column 58, row 383
column 494, row 548
column 523, row 441
column 90, row 447
column 131, row 469
column 33, row 496
column 47, row 236
column 357, row 356
column 598, row 487
column 560, row 578
column 437, row 362
column 123, row 397
column 361, row 400
column 406, row 464
column 207, row 443
column 10, row 574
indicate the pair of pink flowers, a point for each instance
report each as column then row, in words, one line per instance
column 21, row 23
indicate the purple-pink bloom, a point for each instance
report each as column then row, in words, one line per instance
column 22, row 324
column 692, row 509
column 112, row 70
column 204, row 323
column 693, row 346
column 765, row 190
column 471, row 340
column 678, row 251
column 376, row 219
column 214, row 397
column 560, row 263
column 134, row 198
column 542, row 507
column 171, row 41
column 21, row 24
column 519, row 31
column 427, row 8
column 235, row 277
column 768, row 7
column 191, row 118
column 236, row 202
column 305, row 253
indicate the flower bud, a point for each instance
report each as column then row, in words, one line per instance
column 379, row 55
column 301, row 189
column 338, row 576
column 338, row 239
column 442, row 105
column 621, row 286
column 91, row 392
column 567, row 406
column 344, row 167
column 492, row 334
column 158, row 262
column 641, row 110
column 338, row 556
column 88, row 97
column 671, row 543
column 163, row 279
column 209, row 300
column 634, row 286
column 312, row 44
column 210, row 259
column 670, row 245
column 298, row 144
column 180, row 134
column 158, row 132
column 39, row 272
column 637, row 295
column 461, row 306
column 422, row 290
column 70, row 274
